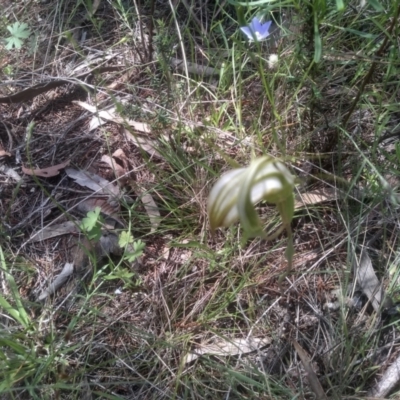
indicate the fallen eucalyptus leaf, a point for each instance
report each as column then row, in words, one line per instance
column 368, row 281
column 111, row 115
column 48, row 172
column 54, row 231
column 152, row 211
column 226, row 348
column 315, row 197
column 61, row 278
column 311, row 375
column 146, row 144
column 92, row 181
column 388, row 381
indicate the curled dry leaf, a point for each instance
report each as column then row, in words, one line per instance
column 119, row 164
column 118, row 169
column 228, row 347
column 46, row 172
column 120, row 155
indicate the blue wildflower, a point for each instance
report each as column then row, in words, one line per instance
column 256, row 30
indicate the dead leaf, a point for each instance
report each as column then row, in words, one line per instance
column 226, row 348
column 193, row 68
column 368, row 280
column 118, row 169
column 316, row 197
column 146, row 144
column 67, row 271
column 109, row 244
column 4, row 153
column 152, row 210
column 108, row 208
column 387, row 382
column 311, row 375
column 120, row 155
column 93, row 182
column 10, row 172
column 110, row 114
column 46, row 172
column 54, row 231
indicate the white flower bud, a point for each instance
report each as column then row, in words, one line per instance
column 273, row 61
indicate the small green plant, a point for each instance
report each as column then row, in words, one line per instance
column 91, row 224
column 134, row 249
column 19, row 32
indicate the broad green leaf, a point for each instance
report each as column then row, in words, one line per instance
column 376, row 5
column 18, row 31
column 317, row 45
column 340, row 5
column 125, row 238
column 89, row 222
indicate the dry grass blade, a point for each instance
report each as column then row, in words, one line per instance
column 311, row 375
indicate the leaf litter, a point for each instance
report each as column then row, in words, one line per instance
column 186, row 286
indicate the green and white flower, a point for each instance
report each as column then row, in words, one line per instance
column 235, row 195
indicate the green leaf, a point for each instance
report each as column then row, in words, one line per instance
column 18, row 311
column 18, row 32
column 340, row 5
column 138, row 248
column 317, row 44
column 125, row 238
column 89, row 222
column 376, row 5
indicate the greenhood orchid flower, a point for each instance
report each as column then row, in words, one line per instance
column 234, row 196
